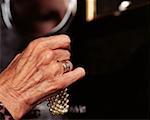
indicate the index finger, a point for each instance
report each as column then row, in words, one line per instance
column 55, row 42
column 52, row 43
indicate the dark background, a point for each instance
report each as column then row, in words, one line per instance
column 115, row 51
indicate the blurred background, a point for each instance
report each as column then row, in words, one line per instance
column 111, row 40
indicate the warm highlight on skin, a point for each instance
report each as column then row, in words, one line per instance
column 36, row 73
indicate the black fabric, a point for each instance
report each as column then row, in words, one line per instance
column 2, row 116
column 114, row 50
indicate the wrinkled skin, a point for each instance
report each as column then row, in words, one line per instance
column 36, row 73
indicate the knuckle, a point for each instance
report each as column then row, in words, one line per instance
column 39, row 40
column 48, row 54
column 68, row 54
column 67, row 38
column 36, row 43
column 45, row 57
column 52, row 53
column 39, row 45
column 31, row 45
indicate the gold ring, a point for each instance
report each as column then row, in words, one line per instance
column 67, row 65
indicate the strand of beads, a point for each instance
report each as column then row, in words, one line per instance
column 58, row 104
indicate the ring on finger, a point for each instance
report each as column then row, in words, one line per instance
column 67, row 66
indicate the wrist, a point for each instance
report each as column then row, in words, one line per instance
column 12, row 103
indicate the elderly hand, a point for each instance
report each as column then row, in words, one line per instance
column 36, row 73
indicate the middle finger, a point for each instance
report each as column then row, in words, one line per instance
column 61, row 55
